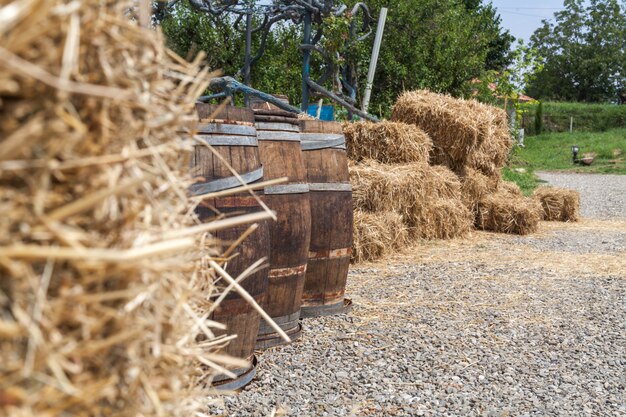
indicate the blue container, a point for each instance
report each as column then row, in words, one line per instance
column 327, row 113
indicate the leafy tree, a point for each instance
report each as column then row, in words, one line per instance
column 437, row 44
column 584, row 51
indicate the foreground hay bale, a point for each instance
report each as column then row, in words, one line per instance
column 102, row 271
column 504, row 213
column 377, row 235
column 387, row 142
column 558, row 204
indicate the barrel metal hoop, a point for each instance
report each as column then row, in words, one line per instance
column 330, row 254
column 218, row 140
column 285, row 272
column 278, row 136
column 312, row 141
column 225, row 183
column 309, row 145
column 287, row 189
column 330, row 186
column 226, row 129
column 228, row 122
column 285, row 127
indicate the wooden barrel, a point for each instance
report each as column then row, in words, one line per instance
column 232, row 135
column 326, row 162
column 279, row 147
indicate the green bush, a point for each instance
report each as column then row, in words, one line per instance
column 555, row 117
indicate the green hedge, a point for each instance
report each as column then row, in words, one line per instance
column 587, row 117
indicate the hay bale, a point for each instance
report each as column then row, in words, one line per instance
column 510, row 188
column 428, row 198
column 378, row 187
column 501, row 212
column 491, row 155
column 387, row 142
column 465, row 133
column 102, row 269
column 377, row 235
column 474, row 186
column 457, row 127
column 558, row 204
column 441, row 182
column 441, row 218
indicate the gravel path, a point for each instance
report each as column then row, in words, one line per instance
column 602, row 196
column 493, row 325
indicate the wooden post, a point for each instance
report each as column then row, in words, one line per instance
column 571, row 124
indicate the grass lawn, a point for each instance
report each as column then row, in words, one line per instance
column 553, row 152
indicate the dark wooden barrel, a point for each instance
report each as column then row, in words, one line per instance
column 326, row 162
column 232, row 134
column 279, row 146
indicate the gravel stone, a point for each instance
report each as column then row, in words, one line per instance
column 494, row 325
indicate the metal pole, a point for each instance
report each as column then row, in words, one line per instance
column 306, row 62
column 375, row 51
column 571, row 124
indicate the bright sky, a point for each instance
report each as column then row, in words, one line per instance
column 521, row 18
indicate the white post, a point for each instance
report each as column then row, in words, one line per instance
column 375, row 51
column 571, row 124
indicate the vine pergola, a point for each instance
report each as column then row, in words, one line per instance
column 256, row 18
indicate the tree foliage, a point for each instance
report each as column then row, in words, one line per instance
column 437, row 44
column 584, row 51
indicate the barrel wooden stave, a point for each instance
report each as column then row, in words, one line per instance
column 237, row 314
column 330, row 248
column 331, row 220
column 290, row 234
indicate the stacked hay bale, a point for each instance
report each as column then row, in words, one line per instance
column 102, row 286
column 472, row 139
column 398, row 196
column 558, row 204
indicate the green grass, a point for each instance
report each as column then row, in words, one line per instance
column 524, row 177
column 587, row 117
column 553, row 152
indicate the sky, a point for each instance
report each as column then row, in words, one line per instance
column 522, row 17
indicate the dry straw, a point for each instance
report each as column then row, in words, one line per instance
column 387, row 142
column 465, row 133
column 428, row 198
column 510, row 188
column 377, row 235
column 456, row 126
column 558, row 204
column 99, row 256
column 442, row 218
column 504, row 213
column 474, row 186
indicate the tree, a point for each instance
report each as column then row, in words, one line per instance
column 437, row 44
column 584, row 52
